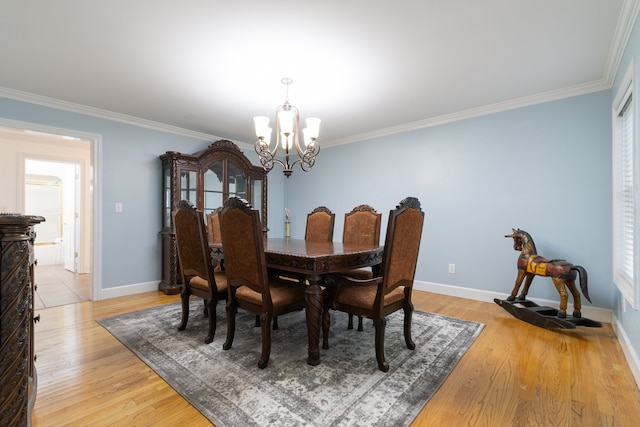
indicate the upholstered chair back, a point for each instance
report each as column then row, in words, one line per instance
column 404, row 232
column 192, row 245
column 320, row 225
column 243, row 247
column 362, row 226
column 213, row 225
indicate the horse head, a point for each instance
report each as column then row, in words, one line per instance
column 522, row 240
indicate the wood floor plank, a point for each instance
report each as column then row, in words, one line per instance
column 515, row 374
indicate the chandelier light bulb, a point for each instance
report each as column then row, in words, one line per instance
column 262, row 126
column 286, row 119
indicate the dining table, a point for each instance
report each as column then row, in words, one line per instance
column 311, row 262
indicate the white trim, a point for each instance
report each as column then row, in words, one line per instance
column 625, row 285
column 17, row 95
column 626, row 21
column 595, row 313
column 127, row 290
column 627, row 349
column 477, row 112
column 95, row 175
column 96, row 194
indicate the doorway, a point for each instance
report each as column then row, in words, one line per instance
column 67, row 253
column 51, row 191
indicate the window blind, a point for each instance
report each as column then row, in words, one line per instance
column 624, row 197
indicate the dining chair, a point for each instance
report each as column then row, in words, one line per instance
column 196, row 268
column 382, row 295
column 213, row 233
column 320, row 225
column 215, row 238
column 250, row 286
column 361, row 226
column 319, row 228
column 213, row 227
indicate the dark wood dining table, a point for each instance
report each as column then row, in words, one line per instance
column 312, row 261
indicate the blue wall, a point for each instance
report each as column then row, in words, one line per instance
column 131, row 174
column 544, row 168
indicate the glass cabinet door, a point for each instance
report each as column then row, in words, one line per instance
column 256, row 196
column 188, row 185
column 237, row 182
column 166, row 189
column 213, row 187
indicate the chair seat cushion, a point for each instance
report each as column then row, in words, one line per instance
column 200, row 283
column 283, row 292
column 364, row 296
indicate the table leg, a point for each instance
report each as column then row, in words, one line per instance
column 314, row 308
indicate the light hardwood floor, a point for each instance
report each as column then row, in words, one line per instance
column 515, row 374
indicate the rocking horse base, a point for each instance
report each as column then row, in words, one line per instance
column 544, row 317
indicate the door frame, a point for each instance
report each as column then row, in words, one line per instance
column 92, row 175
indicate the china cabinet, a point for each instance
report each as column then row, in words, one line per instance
column 206, row 178
column 18, row 379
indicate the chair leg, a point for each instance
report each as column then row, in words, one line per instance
column 265, row 321
column 205, row 310
column 350, row 324
column 360, row 328
column 231, row 324
column 210, row 308
column 326, row 323
column 380, row 324
column 275, row 322
column 408, row 315
column 184, row 297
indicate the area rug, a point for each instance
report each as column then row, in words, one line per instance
column 346, row 389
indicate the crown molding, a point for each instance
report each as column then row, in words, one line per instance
column 540, row 98
column 626, row 22
column 103, row 114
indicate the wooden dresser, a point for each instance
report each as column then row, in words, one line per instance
column 18, row 381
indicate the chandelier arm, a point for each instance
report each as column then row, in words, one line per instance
column 308, row 159
column 267, row 157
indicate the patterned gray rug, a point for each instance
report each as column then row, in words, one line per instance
column 346, row 389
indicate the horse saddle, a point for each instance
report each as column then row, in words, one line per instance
column 541, row 266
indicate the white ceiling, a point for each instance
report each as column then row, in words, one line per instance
column 365, row 68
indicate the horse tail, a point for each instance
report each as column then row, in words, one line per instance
column 583, row 280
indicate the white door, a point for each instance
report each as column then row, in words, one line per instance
column 71, row 215
column 62, row 209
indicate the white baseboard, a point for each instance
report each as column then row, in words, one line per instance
column 595, row 313
column 627, row 349
column 122, row 291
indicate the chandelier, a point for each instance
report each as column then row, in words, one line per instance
column 287, row 130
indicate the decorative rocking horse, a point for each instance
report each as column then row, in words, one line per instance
column 562, row 273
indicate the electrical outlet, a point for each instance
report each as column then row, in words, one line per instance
column 118, row 207
column 452, row 268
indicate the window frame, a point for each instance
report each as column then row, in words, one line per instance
column 625, row 188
